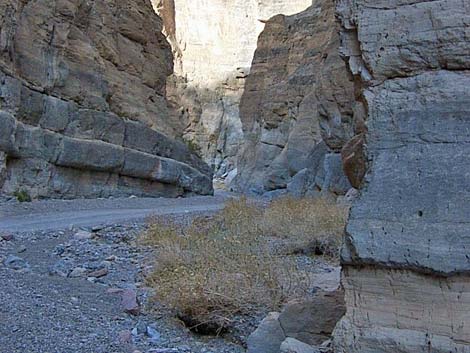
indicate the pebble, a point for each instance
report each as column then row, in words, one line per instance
column 153, row 334
column 21, row 249
column 125, row 337
column 99, row 273
column 141, row 328
column 7, row 237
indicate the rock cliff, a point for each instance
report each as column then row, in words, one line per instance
column 297, row 107
column 83, row 111
column 406, row 257
column 213, row 44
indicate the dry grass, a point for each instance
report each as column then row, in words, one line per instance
column 312, row 225
column 217, row 268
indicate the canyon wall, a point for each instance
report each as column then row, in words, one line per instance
column 213, row 44
column 83, row 111
column 297, row 108
column 406, row 256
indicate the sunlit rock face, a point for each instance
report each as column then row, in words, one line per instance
column 297, row 107
column 406, row 255
column 213, row 43
column 83, row 111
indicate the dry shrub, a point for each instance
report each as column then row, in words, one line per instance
column 220, row 267
column 306, row 225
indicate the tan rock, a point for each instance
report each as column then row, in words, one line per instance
column 213, row 44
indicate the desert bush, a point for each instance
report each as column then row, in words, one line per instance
column 22, row 196
column 306, row 225
column 217, row 268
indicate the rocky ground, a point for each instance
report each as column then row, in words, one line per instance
column 82, row 289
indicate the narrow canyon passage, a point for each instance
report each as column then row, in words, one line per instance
column 195, row 176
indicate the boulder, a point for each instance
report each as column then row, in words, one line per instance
column 313, row 321
column 267, row 338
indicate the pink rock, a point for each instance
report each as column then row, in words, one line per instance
column 7, row 237
column 125, row 337
column 129, row 302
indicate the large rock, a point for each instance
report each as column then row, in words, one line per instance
column 313, row 321
column 297, row 106
column 213, row 43
column 268, row 337
column 406, row 262
column 83, row 108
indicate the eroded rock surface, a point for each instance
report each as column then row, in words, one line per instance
column 82, row 103
column 213, row 44
column 406, row 256
column 297, row 107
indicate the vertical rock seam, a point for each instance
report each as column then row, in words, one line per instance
column 407, row 251
column 83, row 111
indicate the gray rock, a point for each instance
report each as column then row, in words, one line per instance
column 291, row 345
column 407, row 239
column 68, row 133
column 61, row 268
column 267, row 338
column 83, row 235
column 16, row 263
column 78, row 272
column 153, row 334
column 297, row 106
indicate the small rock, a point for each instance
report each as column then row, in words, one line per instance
column 141, row 328
column 78, row 272
column 83, row 235
column 153, row 334
column 97, row 228
column 129, row 302
column 7, row 237
column 16, row 263
column 61, row 268
column 21, row 249
column 291, row 345
column 99, row 273
column 125, row 337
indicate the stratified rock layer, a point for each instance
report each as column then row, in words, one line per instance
column 297, row 107
column 406, row 258
column 82, row 102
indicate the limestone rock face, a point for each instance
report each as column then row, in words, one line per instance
column 297, row 106
column 213, row 43
column 82, row 102
column 406, row 258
